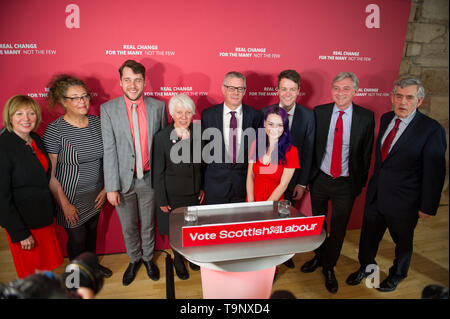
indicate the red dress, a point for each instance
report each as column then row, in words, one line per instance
column 46, row 254
column 268, row 177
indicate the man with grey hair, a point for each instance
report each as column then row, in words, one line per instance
column 406, row 183
column 226, row 160
column 343, row 149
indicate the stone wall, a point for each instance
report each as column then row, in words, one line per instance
column 425, row 55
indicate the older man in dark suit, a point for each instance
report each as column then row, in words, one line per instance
column 228, row 129
column 343, row 149
column 406, row 184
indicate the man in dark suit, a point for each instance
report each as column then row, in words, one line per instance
column 343, row 149
column 228, row 129
column 406, row 183
column 302, row 128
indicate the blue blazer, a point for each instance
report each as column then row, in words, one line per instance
column 412, row 176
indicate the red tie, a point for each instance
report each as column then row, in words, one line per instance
column 336, row 156
column 388, row 140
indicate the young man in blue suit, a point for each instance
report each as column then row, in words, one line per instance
column 406, row 183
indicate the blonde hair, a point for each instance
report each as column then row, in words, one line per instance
column 17, row 102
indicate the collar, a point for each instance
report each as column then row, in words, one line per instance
column 129, row 103
column 407, row 119
column 227, row 110
column 347, row 111
column 291, row 111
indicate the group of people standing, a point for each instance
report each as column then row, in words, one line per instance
column 127, row 157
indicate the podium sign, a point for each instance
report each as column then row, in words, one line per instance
column 228, row 233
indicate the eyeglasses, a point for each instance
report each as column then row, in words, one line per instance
column 77, row 99
column 233, row 89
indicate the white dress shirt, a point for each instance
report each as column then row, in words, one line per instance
column 226, row 126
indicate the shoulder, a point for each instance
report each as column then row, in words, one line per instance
column 323, row 107
column 154, row 102
column 6, row 138
column 94, row 120
column 387, row 116
column 429, row 122
column 293, row 149
column 264, row 109
column 112, row 103
column 164, row 133
column 250, row 109
column 53, row 127
column 213, row 108
column 303, row 109
column 363, row 111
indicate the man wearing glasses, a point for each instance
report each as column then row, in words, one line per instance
column 226, row 142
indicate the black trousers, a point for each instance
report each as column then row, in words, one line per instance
column 401, row 228
column 339, row 190
column 82, row 238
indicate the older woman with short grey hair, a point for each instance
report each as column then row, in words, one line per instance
column 177, row 177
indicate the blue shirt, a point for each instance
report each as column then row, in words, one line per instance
column 401, row 128
column 347, row 125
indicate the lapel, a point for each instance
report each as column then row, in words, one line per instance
column 218, row 123
column 246, row 123
column 122, row 120
column 407, row 134
column 355, row 128
column 383, row 126
column 296, row 121
column 151, row 117
column 323, row 133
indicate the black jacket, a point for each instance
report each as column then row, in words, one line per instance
column 221, row 178
column 361, row 142
column 25, row 198
column 175, row 179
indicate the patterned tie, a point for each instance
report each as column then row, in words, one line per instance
column 137, row 143
column 336, row 156
column 388, row 140
column 232, row 136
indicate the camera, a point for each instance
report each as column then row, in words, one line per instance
column 83, row 271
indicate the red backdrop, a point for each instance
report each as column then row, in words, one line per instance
column 188, row 46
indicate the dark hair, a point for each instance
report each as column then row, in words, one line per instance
column 59, row 86
column 285, row 140
column 136, row 67
column 290, row 75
